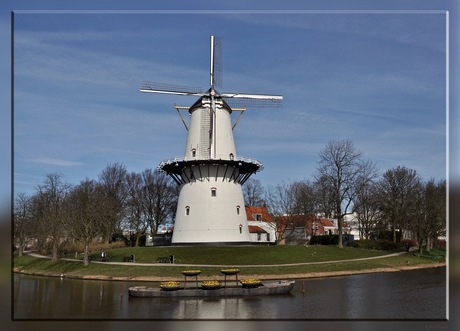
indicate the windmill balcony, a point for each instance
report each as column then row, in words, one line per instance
column 244, row 163
column 239, row 168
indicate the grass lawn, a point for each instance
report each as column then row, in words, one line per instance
column 241, row 255
column 264, row 257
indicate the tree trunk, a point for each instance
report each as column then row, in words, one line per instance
column 55, row 251
column 137, row 239
column 86, row 256
column 339, row 223
column 20, row 250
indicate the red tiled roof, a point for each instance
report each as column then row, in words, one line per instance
column 326, row 222
column 251, row 210
column 256, row 229
column 297, row 218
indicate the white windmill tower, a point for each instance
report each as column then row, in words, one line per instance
column 211, row 206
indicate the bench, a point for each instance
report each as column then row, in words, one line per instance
column 165, row 259
column 128, row 258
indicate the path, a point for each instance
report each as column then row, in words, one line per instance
column 224, row 265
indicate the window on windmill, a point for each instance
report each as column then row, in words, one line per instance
column 237, row 210
column 187, row 210
column 193, row 152
column 213, row 192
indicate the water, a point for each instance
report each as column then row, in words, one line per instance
column 416, row 294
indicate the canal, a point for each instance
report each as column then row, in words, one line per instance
column 416, row 294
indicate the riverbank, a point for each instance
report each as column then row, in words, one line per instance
column 291, row 263
column 310, row 275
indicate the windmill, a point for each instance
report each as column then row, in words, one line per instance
column 211, row 206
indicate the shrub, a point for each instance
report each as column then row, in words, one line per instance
column 386, row 245
column 365, row 244
column 383, row 245
column 440, row 243
column 69, row 248
column 332, row 239
column 410, row 242
column 99, row 247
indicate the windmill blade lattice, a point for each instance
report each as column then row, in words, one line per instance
column 253, row 103
column 252, row 100
column 217, row 44
column 153, row 87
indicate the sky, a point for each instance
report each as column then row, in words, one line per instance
column 375, row 77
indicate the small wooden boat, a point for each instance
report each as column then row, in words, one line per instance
column 266, row 288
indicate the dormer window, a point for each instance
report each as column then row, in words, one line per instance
column 258, row 217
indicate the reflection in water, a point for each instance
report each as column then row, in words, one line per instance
column 418, row 294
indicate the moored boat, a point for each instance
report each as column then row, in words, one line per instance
column 266, row 288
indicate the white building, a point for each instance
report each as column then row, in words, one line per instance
column 262, row 229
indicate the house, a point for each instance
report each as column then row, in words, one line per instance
column 262, row 229
column 298, row 228
column 352, row 224
column 329, row 226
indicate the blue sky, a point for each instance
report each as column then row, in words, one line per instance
column 378, row 78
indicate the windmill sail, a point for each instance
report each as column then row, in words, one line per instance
column 215, row 73
column 153, row 87
column 216, row 61
column 252, row 100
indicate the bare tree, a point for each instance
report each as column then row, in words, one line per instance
column 282, row 202
column 22, row 221
column 113, row 179
column 160, row 198
column 432, row 222
column 38, row 225
column 281, row 199
column 416, row 215
column 396, row 196
column 86, row 213
column 338, row 169
column 304, row 194
column 253, row 193
column 438, row 205
column 324, row 197
column 50, row 204
column 365, row 202
column 366, row 208
column 135, row 201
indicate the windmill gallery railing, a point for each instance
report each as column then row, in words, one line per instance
column 180, row 168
